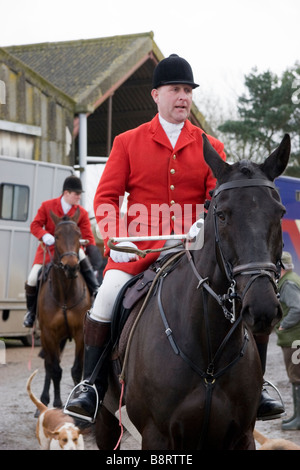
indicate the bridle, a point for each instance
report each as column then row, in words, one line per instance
column 60, row 256
column 254, row 269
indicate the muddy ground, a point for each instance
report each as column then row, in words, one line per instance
column 17, row 423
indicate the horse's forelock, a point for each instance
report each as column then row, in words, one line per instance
column 246, row 167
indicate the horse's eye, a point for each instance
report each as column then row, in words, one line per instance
column 221, row 216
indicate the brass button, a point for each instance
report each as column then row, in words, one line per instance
column 172, row 187
column 172, row 171
column 172, row 202
column 174, row 157
column 173, row 217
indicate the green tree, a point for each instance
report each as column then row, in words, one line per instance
column 269, row 108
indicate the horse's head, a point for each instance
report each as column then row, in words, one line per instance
column 67, row 243
column 246, row 213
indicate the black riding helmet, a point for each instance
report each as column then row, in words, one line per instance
column 173, row 70
column 72, row 183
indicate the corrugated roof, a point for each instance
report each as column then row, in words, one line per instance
column 45, row 85
column 87, row 69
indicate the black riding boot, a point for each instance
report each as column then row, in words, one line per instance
column 83, row 399
column 31, row 297
column 268, row 408
column 86, row 270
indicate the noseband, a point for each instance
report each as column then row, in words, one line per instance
column 60, row 265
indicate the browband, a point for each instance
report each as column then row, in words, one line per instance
column 243, row 184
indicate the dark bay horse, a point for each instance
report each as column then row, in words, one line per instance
column 193, row 377
column 63, row 301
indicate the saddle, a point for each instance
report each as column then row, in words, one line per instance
column 133, row 291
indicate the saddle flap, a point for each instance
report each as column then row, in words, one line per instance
column 139, row 289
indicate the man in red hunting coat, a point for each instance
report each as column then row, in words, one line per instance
column 42, row 227
column 160, row 164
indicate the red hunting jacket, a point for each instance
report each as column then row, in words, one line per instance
column 166, row 186
column 43, row 223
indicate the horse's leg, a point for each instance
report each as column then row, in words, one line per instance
column 45, row 396
column 153, row 439
column 56, row 377
column 107, row 430
column 53, row 372
column 77, row 367
column 245, row 442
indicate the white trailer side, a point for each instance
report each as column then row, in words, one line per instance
column 24, row 185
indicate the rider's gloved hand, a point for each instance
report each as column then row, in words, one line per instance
column 195, row 228
column 48, row 239
column 121, row 256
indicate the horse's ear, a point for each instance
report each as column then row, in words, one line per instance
column 76, row 215
column 276, row 163
column 54, row 217
column 213, row 159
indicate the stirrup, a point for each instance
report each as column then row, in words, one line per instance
column 85, row 387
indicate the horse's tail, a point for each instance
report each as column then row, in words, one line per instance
column 40, row 406
column 259, row 437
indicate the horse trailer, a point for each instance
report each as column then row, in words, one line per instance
column 24, row 185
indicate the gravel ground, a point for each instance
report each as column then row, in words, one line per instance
column 17, row 424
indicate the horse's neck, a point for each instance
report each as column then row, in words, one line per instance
column 208, row 267
column 61, row 286
column 206, row 258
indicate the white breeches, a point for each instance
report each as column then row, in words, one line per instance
column 113, row 282
column 32, row 278
column 33, row 275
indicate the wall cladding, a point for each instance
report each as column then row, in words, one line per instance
column 36, row 119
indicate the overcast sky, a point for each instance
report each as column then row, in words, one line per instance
column 222, row 40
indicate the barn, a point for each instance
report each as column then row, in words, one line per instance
column 104, row 82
